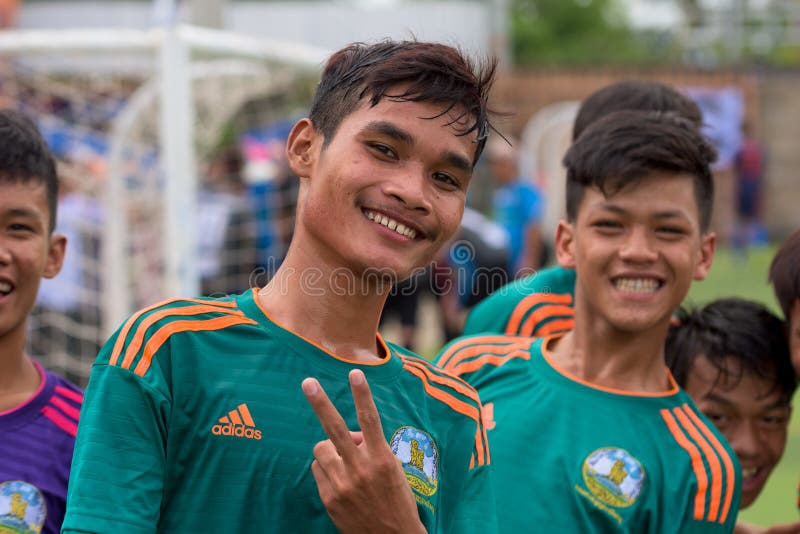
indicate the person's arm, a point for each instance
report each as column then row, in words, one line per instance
column 789, row 528
column 118, row 466
column 360, row 482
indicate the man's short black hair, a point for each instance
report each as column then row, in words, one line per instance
column 627, row 146
column 732, row 329
column 25, row 157
column 426, row 72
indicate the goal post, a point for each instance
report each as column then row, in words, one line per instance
column 155, row 102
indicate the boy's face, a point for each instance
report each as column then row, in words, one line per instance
column 794, row 335
column 27, row 250
column 386, row 192
column 637, row 251
column 749, row 412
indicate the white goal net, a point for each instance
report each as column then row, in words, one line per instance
column 149, row 129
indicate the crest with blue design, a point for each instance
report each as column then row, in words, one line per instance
column 614, row 476
column 420, row 458
column 22, row 507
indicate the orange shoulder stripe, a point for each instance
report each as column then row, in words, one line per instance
column 713, row 462
column 457, row 405
column 135, row 317
column 468, row 342
column 163, row 333
column 435, row 375
column 730, row 475
column 509, row 344
column 555, row 327
column 489, row 359
column 150, row 320
column 512, row 326
column 697, row 463
column 543, row 313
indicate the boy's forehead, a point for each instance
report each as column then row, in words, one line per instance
column 731, row 381
column 24, row 197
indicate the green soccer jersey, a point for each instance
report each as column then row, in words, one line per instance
column 194, row 421
column 572, row 457
column 537, row 305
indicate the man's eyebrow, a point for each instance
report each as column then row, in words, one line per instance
column 458, row 161
column 666, row 214
column 389, row 130
column 23, row 212
column 716, row 398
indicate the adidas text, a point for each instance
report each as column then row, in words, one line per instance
column 239, row 431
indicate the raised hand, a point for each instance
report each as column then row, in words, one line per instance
column 359, row 479
column 789, row 528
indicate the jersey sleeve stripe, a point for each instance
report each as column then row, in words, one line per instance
column 542, row 314
column 697, row 463
column 453, row 349
column 512, row 327
column 554, row 327
column 150, row 320
column 70, row 427
column 730, row 474
column 126, row 328
column 438, row 377
column 65, row 408
column 68, row 394
column 713, row 462
column 489, row 359
column 457, row 405
column 158, row 339
column 509, row 344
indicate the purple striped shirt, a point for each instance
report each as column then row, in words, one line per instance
column 36, row 442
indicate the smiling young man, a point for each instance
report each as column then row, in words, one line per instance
column 38, row 409
column 195, row 420
column 590, row 425
column 541, row 304
column 732, row 358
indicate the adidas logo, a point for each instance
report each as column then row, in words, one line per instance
column 238, row 423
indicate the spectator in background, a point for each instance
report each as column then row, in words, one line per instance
column 517, row 207
column 749, row 167
column 9, row 10
column 226, row 230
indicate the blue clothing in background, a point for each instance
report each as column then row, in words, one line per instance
column 517, row 205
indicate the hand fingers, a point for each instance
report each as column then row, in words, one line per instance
column 792, row 528
column 366, row 411
column 357, row 436
column 332, row 423
column 324, row 486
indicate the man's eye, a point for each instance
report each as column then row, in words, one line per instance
column 446, row 179
column 608, row 225
column 672, row 230
column 383, row 149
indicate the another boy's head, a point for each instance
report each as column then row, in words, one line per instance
column 25, row 158
column 635, row 95
column 732, row 357
column 784, row 273
column 386, row 155
column 639, row 197
column 410, row 71
column 28, row 194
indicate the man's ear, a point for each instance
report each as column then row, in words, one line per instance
column 565, row 244
column 55, row 255
column 707, row 246
column 302, row 147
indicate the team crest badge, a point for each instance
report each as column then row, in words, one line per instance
column 420, row 458
column 22, row 508
column 613, row 476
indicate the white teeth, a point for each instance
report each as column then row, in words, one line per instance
column 5, row 287
column 751, row 472
column 636, row 285
column 391, row 224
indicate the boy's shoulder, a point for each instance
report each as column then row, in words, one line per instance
column 475, row 359
column 509, row 310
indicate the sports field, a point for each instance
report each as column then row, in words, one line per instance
column 747, row 277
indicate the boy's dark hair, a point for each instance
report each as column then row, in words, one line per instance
column 25, row 157
column 784, row 273
column 627, row 146
column 635, row 95
column 428, row 72
column 733, row 328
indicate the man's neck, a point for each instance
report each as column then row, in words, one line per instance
column 19, row 378
column 330, row 307
column 605, row 357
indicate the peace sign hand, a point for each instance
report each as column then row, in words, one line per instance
column 359, row 479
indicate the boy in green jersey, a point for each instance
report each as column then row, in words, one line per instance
column 589, row 431
column 195, row 420
column 731, row 356
column 541, row 304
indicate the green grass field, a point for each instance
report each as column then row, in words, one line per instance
column 747, row 278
